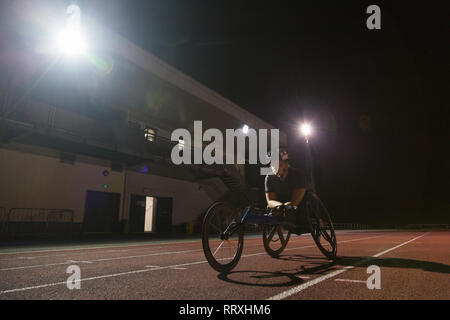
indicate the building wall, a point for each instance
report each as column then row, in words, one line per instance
column 30, row 180
column 35, row 181
column 189, row 199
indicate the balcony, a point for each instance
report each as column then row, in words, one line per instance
column 76, row 132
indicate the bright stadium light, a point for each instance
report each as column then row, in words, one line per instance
column 70, row 43
column 70, row 40
column 305, row 129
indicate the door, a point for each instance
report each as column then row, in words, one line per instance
column 163, row 216
column 141, row 213
column 137, row 213
column 101, row 213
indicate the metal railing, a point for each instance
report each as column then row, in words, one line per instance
column 337, row 226
column 425, row 226
column 36, row 221
column 350, row 226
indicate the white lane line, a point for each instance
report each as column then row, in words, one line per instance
column 149, row 255
column 44, row 265
column 146, row 255
column 303, row 247
column 124, row 250
column 153, row 268
column 79, row 253
column 350, row 280
column 311, row 283
column 79, row 261
column 106, row 246
column 344, row 241
column 97, row 260
column 121, row 245
column 174, row 268
column 102, row 260
column 144, row 246
column 102, row 277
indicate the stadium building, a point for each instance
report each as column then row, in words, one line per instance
column 85, row 142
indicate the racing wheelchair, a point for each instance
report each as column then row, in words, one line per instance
column 224, row 227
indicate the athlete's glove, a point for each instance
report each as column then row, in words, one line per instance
column 285, row 210
column 289, row 209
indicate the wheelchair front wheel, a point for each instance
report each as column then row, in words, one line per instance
column 275, row 239
column 321, row 226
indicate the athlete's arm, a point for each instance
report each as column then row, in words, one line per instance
column 271, row 200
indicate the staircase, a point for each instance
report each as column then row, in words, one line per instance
column 229, row 176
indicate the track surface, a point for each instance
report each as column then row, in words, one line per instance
column 414, row 265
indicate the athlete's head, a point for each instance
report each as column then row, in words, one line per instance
column 283, row 163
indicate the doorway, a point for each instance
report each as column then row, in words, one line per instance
column 101, row 212
column 150, row 214
column 163, row 216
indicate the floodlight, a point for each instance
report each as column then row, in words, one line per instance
column 305, row 129
column 70, row 43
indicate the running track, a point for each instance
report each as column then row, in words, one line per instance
column 413, row 264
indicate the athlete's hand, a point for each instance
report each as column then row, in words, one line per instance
column 278, row 209
column 289, row 208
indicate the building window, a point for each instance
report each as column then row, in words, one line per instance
column 150, row 134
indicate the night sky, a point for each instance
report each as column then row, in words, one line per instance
column 378, row 99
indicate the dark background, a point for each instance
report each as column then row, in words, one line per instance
column 378, row 99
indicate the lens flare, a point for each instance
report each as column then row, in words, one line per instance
column 305, row 129
column 70, row 43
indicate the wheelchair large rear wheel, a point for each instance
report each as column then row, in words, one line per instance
column 222, row 237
